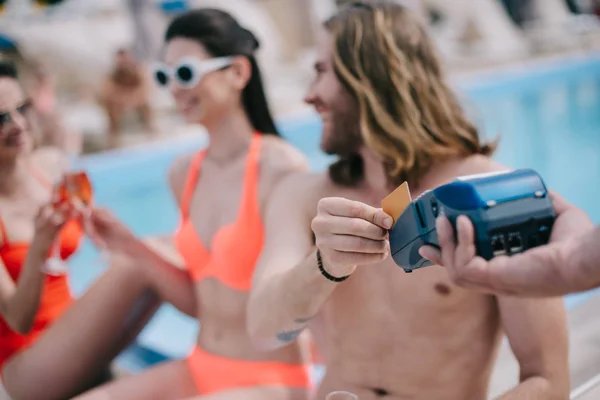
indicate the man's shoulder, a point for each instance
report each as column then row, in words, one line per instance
column 304, row 189
column 445, row 173
column 305, row 183
column 478, row 164
column 280, row 156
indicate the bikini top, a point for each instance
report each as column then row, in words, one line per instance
column 234, row 248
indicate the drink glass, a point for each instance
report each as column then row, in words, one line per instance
column 341, row 395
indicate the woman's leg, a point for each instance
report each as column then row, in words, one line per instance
column 73, row 354
column 171, row 380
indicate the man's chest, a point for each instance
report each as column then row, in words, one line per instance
column 384, row 298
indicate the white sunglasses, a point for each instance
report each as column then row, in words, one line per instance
column 188, row 71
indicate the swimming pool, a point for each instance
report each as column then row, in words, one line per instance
column 548, row 118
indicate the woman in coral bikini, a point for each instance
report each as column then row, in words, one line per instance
column 32, row 296
column 223, row 193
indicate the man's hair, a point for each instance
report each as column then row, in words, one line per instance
column 8, row 70
column 407, row 113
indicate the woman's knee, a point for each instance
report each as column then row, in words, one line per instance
column 128, row 268
column 17, row 381
column 23, row 379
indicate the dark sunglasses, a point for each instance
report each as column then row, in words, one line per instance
column 188, row 71
column 7, row 116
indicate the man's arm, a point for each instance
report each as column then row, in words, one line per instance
column 288, row 288
column 584, row 261
column 537, row 333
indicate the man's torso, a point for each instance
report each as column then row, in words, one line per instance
column 388, row 334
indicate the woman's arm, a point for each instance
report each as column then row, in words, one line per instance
column 171, row 282
column 168, row 277
column 19, row 302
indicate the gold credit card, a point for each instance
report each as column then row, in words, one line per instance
column 396, row 202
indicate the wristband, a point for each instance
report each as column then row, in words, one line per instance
column 327, row 274
column 54, row 265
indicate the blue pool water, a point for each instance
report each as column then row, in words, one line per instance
column 548, row 119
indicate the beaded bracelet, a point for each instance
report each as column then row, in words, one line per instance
column 327, row 274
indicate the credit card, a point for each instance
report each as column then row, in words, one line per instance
column 396, row 202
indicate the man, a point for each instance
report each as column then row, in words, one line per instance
column 126, row 89
column 388, row 113
column 568, row 264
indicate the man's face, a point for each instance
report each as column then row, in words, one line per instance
column 336, row 107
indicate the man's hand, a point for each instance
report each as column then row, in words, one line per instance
column 349, row 233
column 543, row 271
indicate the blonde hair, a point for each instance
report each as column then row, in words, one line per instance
column 407, row 113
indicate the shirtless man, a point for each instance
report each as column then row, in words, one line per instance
column 390, row 116
column 127, row 88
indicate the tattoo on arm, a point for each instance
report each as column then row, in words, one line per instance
column 290, row 336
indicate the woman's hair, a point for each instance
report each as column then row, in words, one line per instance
column 407, row 113
column 221, row 35
column 8, row 70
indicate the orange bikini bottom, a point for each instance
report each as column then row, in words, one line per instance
column 213, row 373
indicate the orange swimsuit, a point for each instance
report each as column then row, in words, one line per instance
column 56, row 296
column 234, row 251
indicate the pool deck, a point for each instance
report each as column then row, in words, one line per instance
column 584, row 328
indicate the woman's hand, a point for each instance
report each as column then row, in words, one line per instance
column 48, row 223
column 108, row 232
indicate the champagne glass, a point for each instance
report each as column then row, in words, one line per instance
column 74, row 189
column 84, row 202
column 55, row 265
column 81, row 197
